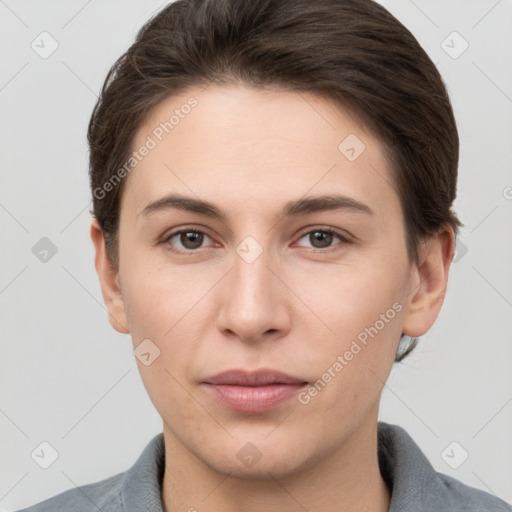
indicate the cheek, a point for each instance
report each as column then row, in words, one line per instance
column 164, row 305
column 159, row 309
column 363, row 307
column 156, row 298
column 350, row 299
column 351, row 372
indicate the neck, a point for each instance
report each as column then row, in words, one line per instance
column 347, row 478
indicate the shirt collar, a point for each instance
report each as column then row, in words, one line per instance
column 412, row 480
column 141, row 484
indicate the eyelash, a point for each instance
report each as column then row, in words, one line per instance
column 328, row 230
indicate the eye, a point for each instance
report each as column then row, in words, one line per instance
column 189, row 239
column 323, row 237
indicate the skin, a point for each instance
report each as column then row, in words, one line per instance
column 295, row 308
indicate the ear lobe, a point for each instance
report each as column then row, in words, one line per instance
column 109, row 282
column 429, row 282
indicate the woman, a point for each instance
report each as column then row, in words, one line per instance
column 272, row 184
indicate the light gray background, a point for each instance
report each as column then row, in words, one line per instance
column 69, row 379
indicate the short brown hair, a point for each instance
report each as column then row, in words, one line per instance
column 352, row 51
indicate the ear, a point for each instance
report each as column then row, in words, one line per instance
column 429, row 281
column 109, row 282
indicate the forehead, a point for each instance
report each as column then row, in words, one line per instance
column 243, row 146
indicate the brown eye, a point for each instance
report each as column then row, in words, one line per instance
column 323, row 238
column 185, row 240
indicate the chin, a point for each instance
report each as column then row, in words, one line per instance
column 273, row 466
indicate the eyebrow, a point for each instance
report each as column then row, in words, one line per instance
column 291, row 209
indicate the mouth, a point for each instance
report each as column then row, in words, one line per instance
column 256, row 391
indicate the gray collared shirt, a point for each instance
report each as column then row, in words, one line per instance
column 415, row 485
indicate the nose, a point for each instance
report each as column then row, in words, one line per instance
column 253, row 301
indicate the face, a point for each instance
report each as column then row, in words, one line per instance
column 268, row 275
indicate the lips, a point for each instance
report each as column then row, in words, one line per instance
column 255, row 392
column 261, row 377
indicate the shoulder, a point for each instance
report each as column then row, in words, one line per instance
column 137, row 488
column 104, row 495
column 469, row 499
column 414, row 482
